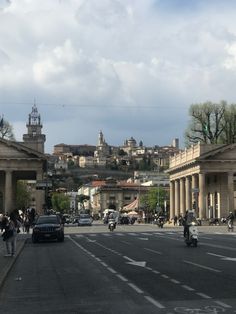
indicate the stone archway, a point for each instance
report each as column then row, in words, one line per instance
column 18, row 162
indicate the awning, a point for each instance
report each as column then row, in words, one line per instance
column 132, row 206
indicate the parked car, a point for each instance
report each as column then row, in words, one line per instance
column 48, row 227
column 85, row 220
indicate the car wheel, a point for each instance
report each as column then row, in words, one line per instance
column 61, row 239
column 34, row 239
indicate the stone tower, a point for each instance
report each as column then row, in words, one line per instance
column 34, row 138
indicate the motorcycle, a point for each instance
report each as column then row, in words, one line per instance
column 191, row 237
column 230, row 225
column 111, row 224
column 160, row 222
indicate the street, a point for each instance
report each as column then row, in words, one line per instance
column 135, row 269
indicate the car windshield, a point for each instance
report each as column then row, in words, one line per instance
column 47, row 220
column 84, row 216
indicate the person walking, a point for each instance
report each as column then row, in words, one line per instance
column 11, row 229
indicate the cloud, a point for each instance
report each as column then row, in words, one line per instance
column 129, row 68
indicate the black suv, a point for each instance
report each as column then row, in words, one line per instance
column 48, row 227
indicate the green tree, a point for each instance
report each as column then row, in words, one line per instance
column 154, row 198
column 60, row 202
column 23, row 195
column 6, row 130
column 82, row 199
column 206, row 123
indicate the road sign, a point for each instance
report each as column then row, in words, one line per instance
column 43, row 184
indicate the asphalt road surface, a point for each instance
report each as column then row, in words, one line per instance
column 130, row 270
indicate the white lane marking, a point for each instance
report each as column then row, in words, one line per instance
column 202, row 266
column 187, row 288
column 203, row 295
column 145, row 233
column 129, row 259
column 217, row 255
column 165, row 276
column 112, row 270
column 79, row 236
column 135, row 288
column 104, row 264
column 133, row 234
column 144, row 239
column 153, row 251
column 219, row 246
column 154, row 302
column 158, row 233
column 119, row 234
column 175, row 281
column 122, row 278
column 156, row 272
column 223, row 304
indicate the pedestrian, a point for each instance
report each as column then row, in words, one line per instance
column 175, row 220
column 11, row 232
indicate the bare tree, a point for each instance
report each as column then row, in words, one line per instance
column 206, row 124
column 228, row 135
column 6, row 130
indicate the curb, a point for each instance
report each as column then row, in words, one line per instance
column 10, row 262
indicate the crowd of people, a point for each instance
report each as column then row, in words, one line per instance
column 12, row 224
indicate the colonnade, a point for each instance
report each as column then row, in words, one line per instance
column 211, row 195
column 188, row 193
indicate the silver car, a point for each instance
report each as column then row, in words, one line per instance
column 85, row 220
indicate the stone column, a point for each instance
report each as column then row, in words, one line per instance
column 194, row 193
column 172, row 199
column 182, row 196
column 202, row 196
column 230, row 191
column 40, row 196
column 188, row 192
column 177, row 198
column 8, row 192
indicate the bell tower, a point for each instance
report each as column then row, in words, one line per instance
column 34, row 138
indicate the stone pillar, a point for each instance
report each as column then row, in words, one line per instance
column 194, row 193
column 202, row 196
column 230, row 191
column 188, row 193
column 8, row 192
column 177, row 198
column 182, row 196
column 172, row 199
column 40, row 196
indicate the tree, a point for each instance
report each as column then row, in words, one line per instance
column 23, row 195
column 82, row 199
column 206, row 124
column 6, row 130
column 60, row 202
column 228, row 135
column 154, row 198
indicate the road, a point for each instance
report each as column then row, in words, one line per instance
column 135, row 269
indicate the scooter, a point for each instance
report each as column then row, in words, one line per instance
column 160, row 222
column 111, row 224
column 191, row 238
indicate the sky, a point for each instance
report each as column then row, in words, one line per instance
column 128, row 68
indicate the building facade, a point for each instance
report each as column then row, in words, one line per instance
column 203, row 178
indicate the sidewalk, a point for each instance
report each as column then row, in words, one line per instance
column 7, row 262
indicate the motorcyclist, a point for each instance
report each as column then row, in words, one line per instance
column 187, row 221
